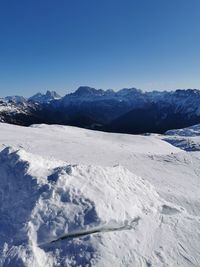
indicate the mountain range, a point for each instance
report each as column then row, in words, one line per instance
column 128, row 110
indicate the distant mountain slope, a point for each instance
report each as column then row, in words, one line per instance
column 152, row 118
column 20, row 113
column 44, row 98
column 128, row 110
column 16, row 99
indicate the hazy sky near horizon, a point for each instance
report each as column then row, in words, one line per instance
column 62, row 44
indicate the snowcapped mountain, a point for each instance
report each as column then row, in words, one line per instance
column 85, row 93
column 130, row 110
column 22, row 111
column 16, row 99
column 184, row 101
column 18, row 111
column 127, row 111
column 44, row 98
column 86, row 199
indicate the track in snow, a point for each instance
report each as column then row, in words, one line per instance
column 104, row 229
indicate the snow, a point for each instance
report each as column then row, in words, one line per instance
column 79, row 145
column 75, row 197
column 186, row 138
column 189, row 131
column 8, row 108
column 12, row 108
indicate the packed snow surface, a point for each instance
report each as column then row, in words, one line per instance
column 74, row 197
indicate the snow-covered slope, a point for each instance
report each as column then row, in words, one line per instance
column 74, row 197
column 189, row 131
column 11, row 108
column 8, row 107
column 186, row 138
column 16, row 99
column 78, row 145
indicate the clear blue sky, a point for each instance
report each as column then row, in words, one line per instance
column 61, row 44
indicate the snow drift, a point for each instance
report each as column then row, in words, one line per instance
column 56, row 214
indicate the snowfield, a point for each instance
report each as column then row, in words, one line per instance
column 75, row 197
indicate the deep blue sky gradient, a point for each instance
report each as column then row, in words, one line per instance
column 62, row 44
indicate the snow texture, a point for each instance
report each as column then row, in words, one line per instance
column 66, row 199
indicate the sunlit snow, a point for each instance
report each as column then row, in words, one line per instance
column 74, row 197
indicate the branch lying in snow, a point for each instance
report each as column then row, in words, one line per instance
column 102, row 229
